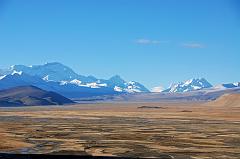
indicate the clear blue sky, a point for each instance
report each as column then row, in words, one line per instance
column 155, row 42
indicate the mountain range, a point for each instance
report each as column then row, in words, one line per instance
column 62, row 79
column 59, row 78
column 194, row 84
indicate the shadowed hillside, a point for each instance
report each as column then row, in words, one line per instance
column 30, row 96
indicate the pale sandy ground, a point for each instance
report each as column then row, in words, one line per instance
column 180, row 130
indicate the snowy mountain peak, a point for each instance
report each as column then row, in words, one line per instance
column 50, row 71
column 201, row 82
column 189, row 85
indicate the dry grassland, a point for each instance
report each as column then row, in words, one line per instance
column 163, row 130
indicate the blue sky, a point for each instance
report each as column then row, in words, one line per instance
column 155, row 42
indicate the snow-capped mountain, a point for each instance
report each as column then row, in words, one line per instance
column 131, row 87
column 121, row 85
column 189, row 85
column 227, row 85
column 52, row 72
column 60, row 78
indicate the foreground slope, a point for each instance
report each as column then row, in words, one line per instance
column 30, row 96
column 227, row 100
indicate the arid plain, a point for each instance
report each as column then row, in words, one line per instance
column 162, row 130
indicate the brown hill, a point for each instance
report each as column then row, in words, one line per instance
column 31, row 96
column 227, row 100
